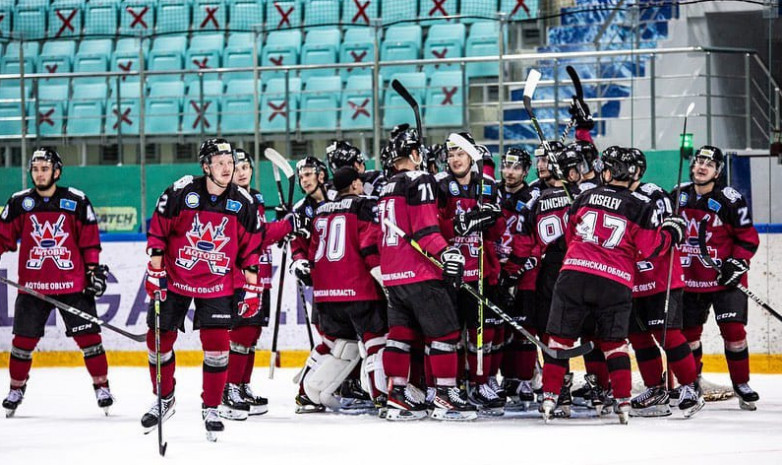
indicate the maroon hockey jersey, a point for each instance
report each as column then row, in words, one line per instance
column 608, row 229
column 408, row 200
column 343, row 248
column 59, row 237
column 453, row 199
column 205, row 238
column 515, row 210
column 544, row 225
column 730, row 233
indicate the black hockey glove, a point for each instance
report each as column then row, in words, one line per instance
column 478, row 219
column 676, row 226
column 96, row 280
column 731, row 271
column 581, row 115
column 511, row 280
column 303, row 270
column 280, row 212
column 453, row 266
column 300, row 224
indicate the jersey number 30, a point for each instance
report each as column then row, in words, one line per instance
column 332, row 238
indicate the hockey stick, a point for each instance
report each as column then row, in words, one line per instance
column 710, row 261
column 403, row 92
column 280, row 164
column 161, row 446
column 557, row 354
column 75, row 311
column 299, row 288
column 578, row 100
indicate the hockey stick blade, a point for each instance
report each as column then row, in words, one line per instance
column 279, row 161
column 465, row 145
column 576, row 82
column 558, row 354
column 533, row 78
column 689, row 109
column 707, row 259
column 75, row 311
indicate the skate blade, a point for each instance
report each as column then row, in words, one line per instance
column 748, row 406
column 106, row 410
column 689, row 412
column 442, row 414
column 211, row 436
column 258, row 409
column 624, row 418
column 652, row 412
column 9, row 412
column 395, row 414
column 491, row 412
column 232, row 414
column 302, row 409
column 168, row 415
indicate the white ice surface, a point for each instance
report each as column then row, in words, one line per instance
column 59, row 423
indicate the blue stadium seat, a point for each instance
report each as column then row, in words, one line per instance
column 445, row 100
column 358, row 47
column 319, row 103
column 431, row 11
column 281, row 48
column 205, row 52
column 321, row 12
column 244, row 15
column 137, row 17
column 209, row 15
column 402, row 42
column 100, row 17
column 65, row 18
column 396, row 110
column 102, row 47
column 163, row 107
column 6, row 14
column 320, row 48
column 126, row 61
column 204, row 111
column 51, row 108
column 324, row 36
column 359, row 12
column 275, row 108
column 56, row 57
column 444, row 41
column 167, row 54
column 86, row 110
column 124, row 117
column 357, row 106
column 483, row 40
column 237, row 57
column 517, row 9
column 127, row 90
column 173, row 16
column 11, row 121
column 10, row 65
column 30, row 20
column 93, row 56
column 283, row 14
column 398, row 10
column 237, row 107
column 480, row 9
column 131, row 44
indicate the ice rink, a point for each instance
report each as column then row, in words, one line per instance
column 60, row 423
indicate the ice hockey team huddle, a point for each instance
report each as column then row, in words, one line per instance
column 436, row 288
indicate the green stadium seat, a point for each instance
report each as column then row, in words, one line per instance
column 51, row 109
column 11, row 120
column 357, row 107
column 173, row 16
column 100, row 17
column 479, row 9
column 237, row 107
column 320, row 103
column 30, row 20
column 396, row 110
column 398, row 10
column 198, row 111
column 94, row 55
column 321, row 12
column 131, row 44
column 283, row 14
column 209, row 15
column 444, row 41
column 137, row 17
column 430, row 11
column 86, row 110
column 6, row 14
column 445, row 100
column 275, row 108
column 244, row 15
column 126, row 61
column 359, row 12
column 65, row 18
column 167, row 54
column 205, row 52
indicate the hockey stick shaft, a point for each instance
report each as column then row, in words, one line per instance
column 702, row 227
column 274, row 360
column 578, row 99
column 544, row 143
column 408, row 97
column 74, row 311
column 159, row 379
column 300, row 289
column 557, row 354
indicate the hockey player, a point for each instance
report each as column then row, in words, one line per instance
column 58, row 256
column 731, row 241
column 608, row 228
column 350, row 308
column 203, row 228
column 649, row 318
column 587, row 150
column 238, row 398
column 341, row 153
column 421, row 301
column 519, row 356
column 469, row 212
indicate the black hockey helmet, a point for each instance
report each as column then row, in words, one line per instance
column 341, row 153
column 711, row 153
column 588, row 151
column 554, row 147
column 514, row 156
column 401, row 143
column 640, row 162
column 211, row 147
column 312, row 162
column 240, row 156
column 485, row 155
column 565, row 160
column 47, row 154
column 437, row 156
column 620, row 162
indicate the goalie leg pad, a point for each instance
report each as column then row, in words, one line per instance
column 325, row 378
column 373, row 375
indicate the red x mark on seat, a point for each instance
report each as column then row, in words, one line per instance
column 278, row 110
column 284, row 15
column 441, row 54
column 360, row 109
column 200, row 112
column 361, row 12
column 138, row 18
column 126, row 67
column 277, row 61
column 51, row 68
column 438, row 6
column 519, row 4
column 357, row 57
column 45, row 117
column 210, row 16
column 66, row 22
column 201, row 64
column 449, row 93
column 123, row 118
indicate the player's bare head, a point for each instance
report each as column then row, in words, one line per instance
column 45, row 168
column 515, row 165
column 217, row 161
column 347, row 181
column 706, row 165
column 312, row 174
column 619, row 166
column 402, row 151
column 244, row 168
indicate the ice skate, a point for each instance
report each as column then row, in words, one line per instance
column 582, row 395
column 451, row 404
column 654, row 402
column 105, row 399
column 623, row 408
column 691, row 400
column 353, row 399
column 520, row 395
column 306, row 405
column 12, row 401
column 212, row 422
column 234, row 407
column 486, row 400
column 747, row 397
column 406, row 403
column 258, row 404
column 497, row 388
column 565, row 400
column 547, row 406
column 150, row 419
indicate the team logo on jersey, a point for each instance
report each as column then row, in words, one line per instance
column 683, row 198
column 487, row 189
column 192, row 200
column 259, row 198
column 453, row 188
column 28, row 203
column 520, row 205
column 68, row 204
column 206, row 242
column 233, row 206
column 49, row 239
column 691, row 246
column 714, row 205
column 308, row 211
